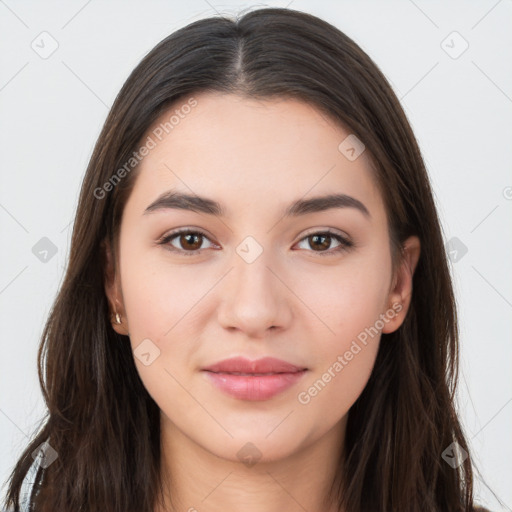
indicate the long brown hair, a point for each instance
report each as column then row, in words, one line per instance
column 101, row 421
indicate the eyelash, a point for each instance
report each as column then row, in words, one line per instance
column 345, row 244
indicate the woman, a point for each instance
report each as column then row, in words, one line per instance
column 258, row 310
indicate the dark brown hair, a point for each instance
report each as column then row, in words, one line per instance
column 101, row 421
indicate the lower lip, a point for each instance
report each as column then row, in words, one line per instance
column 261, row 387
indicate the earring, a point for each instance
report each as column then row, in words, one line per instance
column 117, row 317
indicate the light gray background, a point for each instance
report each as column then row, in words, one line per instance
column 52, row 110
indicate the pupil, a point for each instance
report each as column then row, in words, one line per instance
column 191, row 236
column 316, row 237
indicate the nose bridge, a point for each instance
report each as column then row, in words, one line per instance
column 252, row 299
column 252, row 271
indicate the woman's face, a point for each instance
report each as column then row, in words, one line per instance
column 251, row 280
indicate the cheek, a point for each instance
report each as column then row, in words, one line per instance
column 156, row 293
column 159, row 301
column 348, row 303
column 162, row 302
column 344, row 353
column 346, row 299
column 332, row 390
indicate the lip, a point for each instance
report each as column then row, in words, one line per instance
column 227, row 376
column 243, row 365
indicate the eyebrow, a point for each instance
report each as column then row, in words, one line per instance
column 173, row 199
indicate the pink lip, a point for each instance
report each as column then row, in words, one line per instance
column 226, row 376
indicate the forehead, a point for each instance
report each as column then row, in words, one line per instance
column 252, row 153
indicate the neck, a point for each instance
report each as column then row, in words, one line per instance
column 200, row 480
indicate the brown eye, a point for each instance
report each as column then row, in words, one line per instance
column 190, row 240
column 187, row 242
column 322, row 241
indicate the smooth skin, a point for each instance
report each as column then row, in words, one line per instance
column 300, row 300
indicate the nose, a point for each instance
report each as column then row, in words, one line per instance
column 254, row 299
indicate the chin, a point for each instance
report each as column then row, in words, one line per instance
column 252, row 446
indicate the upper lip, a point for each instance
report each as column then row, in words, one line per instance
column 243, row 365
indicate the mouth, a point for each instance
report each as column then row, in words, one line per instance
column 244, row 366
column 257, row 380
column 254, row 374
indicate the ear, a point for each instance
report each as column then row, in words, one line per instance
column 400, row 294
column 113, row 290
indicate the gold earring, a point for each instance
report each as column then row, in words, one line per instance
column 117, row 317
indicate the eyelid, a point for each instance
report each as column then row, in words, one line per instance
column 330, row 231
column 345, row 240
column 167, row 237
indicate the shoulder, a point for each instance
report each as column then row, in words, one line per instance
column 478, row 508
column 27, row 486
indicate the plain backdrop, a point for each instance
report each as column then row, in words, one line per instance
column 449, row 63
